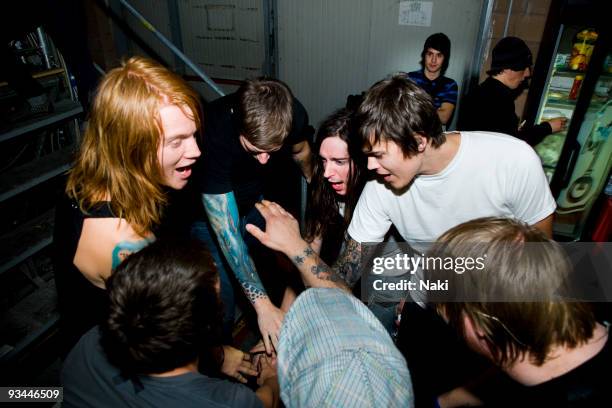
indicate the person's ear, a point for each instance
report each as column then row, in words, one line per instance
column 421, row 142
column 475, row 337
column 472, row 327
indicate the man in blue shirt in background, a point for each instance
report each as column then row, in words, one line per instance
column 434, row 61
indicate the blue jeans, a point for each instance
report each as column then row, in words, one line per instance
column 202, row 231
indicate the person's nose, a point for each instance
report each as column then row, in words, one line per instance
column 327, row 170
column 372, row 163
column 262, row 158
column 192, row 151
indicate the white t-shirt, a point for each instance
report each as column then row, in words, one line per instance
column 492, row 174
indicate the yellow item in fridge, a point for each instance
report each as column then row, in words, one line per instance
column 582, row 49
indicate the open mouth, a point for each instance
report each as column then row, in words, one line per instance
column 385, row 176
column 184, row 171
column 336, row 185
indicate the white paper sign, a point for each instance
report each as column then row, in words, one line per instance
column 415, row 13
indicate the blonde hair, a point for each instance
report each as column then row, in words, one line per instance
column 513, row 270
column 118, row 156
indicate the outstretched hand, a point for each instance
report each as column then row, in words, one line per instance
column 269, row 318
column 282, row 229
column 267, row 369
column 237, row 364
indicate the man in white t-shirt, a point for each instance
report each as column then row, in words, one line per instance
column 428, row 182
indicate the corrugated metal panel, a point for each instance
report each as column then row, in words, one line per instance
column 225, row 38
column 329, row 49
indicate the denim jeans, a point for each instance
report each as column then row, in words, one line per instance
column 202, row 230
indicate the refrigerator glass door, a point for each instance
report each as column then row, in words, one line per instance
column 565, row 76
column 594, row 160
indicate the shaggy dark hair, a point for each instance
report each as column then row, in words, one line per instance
column 163, row 308
column 396, row 109
column 441, row 43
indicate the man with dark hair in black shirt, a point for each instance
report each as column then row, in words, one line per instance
column 241, row 131
column 490, row 106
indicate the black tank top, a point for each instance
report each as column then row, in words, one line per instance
column 82, row 305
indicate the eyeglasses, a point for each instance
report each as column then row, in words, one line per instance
column 503, row 326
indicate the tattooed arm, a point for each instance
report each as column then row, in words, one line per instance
column 222, row 212
column 283, row 234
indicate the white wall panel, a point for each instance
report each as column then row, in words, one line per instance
column 323, row 51
column 331, row 48
column 224, row 37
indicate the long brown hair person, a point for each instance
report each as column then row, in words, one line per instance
column 338, row 178
column 140, row 139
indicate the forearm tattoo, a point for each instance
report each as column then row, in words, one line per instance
column 319, row 268
column 348, row 263
column 222, row 212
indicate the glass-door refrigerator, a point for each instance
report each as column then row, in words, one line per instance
column 573, row 78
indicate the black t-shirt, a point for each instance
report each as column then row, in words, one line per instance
column 82, row 305
column 490, row 107
column 225, row 165
column 587, row 385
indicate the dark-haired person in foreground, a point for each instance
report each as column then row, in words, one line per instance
column 164, row 315
column 553, row 351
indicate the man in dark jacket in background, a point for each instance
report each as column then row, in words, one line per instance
column 491, row 105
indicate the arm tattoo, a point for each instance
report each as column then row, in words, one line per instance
column 348, row 264
column 222, row 212
column 319, row 268
column 125, row 248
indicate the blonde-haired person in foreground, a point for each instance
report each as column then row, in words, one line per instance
column 516, row 312
column 140, row 140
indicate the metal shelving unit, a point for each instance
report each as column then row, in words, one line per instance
column 63, row 111
column 50, row 141
column 25, row 241
column 38, row 171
